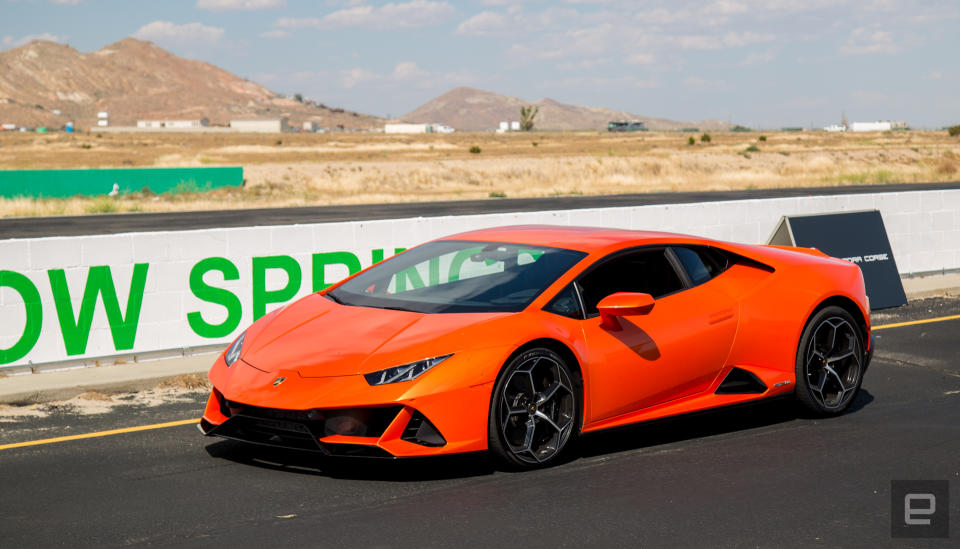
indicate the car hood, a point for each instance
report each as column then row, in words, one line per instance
column 320, row 338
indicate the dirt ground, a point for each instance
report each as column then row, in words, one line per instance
column 344, row 168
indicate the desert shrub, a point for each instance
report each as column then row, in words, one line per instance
column 753, row 149
column 762, row 138
column 954, row 130
column 102, row 205
column 475, row 150
column 497, row 194
column 691, row 141
column 705, row 138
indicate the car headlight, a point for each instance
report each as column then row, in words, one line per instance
column 405, row 372
column 233, row 353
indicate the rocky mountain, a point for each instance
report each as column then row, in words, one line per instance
column 134, row 80
column 468, row 109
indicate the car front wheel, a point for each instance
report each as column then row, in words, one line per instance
column 535, row 410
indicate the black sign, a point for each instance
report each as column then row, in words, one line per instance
column 859, row 237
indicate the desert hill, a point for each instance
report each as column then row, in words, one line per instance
column 469, row 109
column 132, row 80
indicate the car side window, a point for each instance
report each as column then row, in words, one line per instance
column 647, row 271
column 566, row 303
column 700, row 263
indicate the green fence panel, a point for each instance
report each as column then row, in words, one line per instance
column 66, row 183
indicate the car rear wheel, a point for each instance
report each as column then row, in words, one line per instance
column 830, row 362
column 535, row 410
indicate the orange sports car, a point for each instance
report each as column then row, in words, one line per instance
column 517, row 340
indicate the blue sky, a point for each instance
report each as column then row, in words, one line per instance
column 764, row 63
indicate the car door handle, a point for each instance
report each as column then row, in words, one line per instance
column 720, row 316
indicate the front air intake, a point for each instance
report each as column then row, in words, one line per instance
column 420, row 431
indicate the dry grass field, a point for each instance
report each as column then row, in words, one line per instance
column 319, row 169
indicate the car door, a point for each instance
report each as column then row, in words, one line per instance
column 675, row 350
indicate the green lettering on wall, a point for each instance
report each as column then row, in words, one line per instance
column 31, row 301
column 376, row 256
column 218, row 296
column 76, row 328
column 321, row 260
column 262, row 296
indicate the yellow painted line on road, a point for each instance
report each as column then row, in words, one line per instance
column 915, row 322
column 98, row 434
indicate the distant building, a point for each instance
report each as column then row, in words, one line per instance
column 103, row 114
column 408, row 128
column 442, row 128
column 504, row 126
column 515, row 126
column 260, row 125
column 173, row 124
column 103, row 123
column 835, row 128
column 309, row 126
column 6, row 101
column 626, row 126
column 878, row 126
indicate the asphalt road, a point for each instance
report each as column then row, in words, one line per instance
column 755, row 476
column 35, row 227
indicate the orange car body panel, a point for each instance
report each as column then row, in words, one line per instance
column 666, row 362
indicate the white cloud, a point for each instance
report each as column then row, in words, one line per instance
column 736, row 40
column 351, row 78
column 702, row 83
column 239, row 5
column 403, row 74
column 408, row 70
column 276, row 33
column 641, row 59
column 758, row 59
column 13, row 42
column 586, row 64
column 417, row 13
column 863, row 41
column 484, row 23
column 188, row 34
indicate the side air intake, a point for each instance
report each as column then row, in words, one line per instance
column 741, row 382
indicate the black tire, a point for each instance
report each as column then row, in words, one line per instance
column 535, row 410
column 830, row 362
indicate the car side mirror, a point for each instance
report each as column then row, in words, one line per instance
column 623, row 304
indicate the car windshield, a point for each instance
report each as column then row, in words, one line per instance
column 451, row 276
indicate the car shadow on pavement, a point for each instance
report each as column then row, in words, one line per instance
column 395, row 470
column 650, row 434
column 703, row 424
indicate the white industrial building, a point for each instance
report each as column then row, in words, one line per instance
column 509, row 126
column 260, row 125
column 878, row 126
column 408, row 128
column 173, row 124
column 835, row 128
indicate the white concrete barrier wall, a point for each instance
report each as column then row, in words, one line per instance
column 923, row 226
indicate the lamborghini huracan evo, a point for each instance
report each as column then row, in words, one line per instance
column 518, row 339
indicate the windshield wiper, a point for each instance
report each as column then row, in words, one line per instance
column 335, row 299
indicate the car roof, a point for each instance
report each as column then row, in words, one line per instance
column 586, row 239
